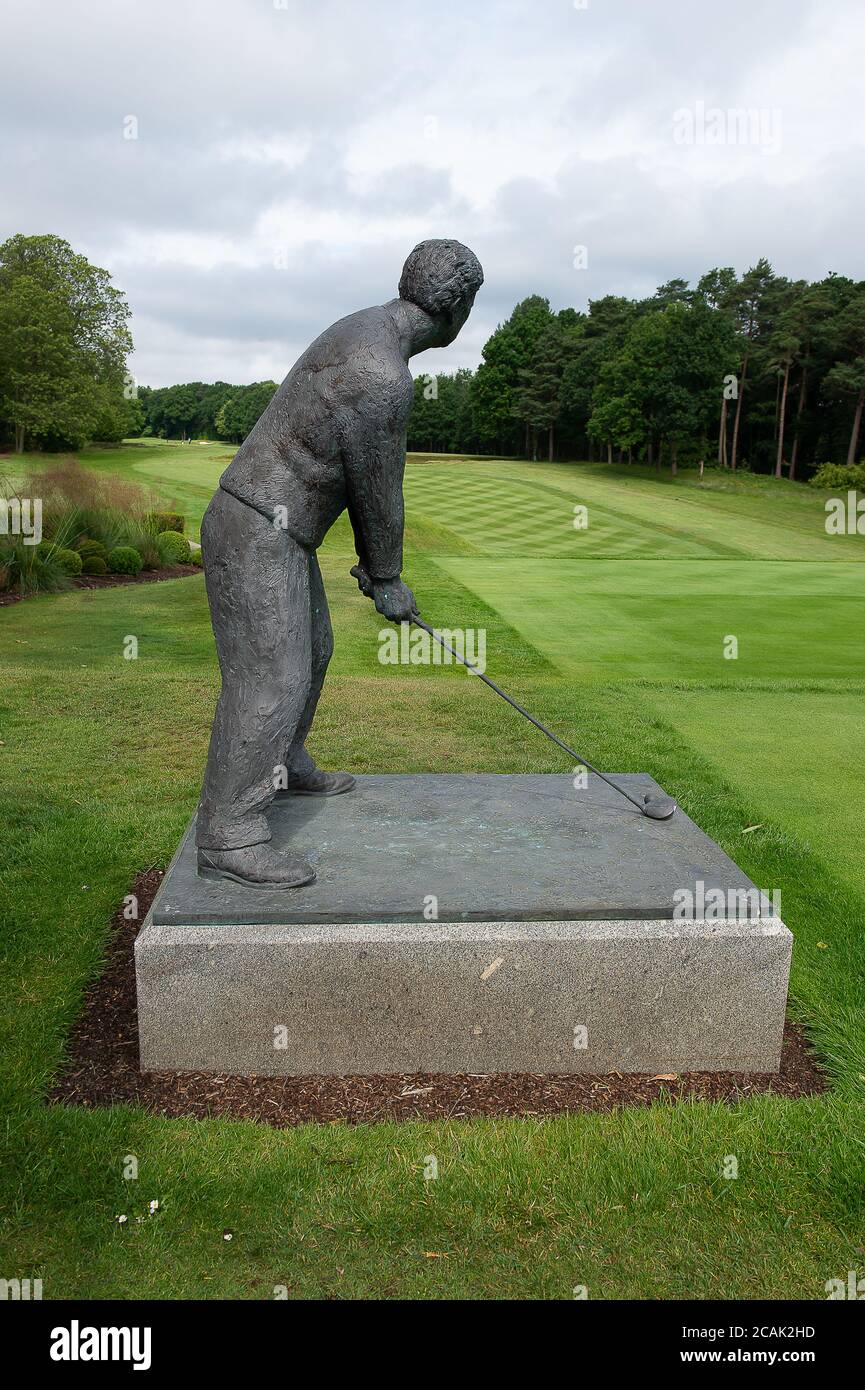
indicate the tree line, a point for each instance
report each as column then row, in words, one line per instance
column 746, row 370
column 754, row 370
column 201, row 410
column 751, row 370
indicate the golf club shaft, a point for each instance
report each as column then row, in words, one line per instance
column 419, row 622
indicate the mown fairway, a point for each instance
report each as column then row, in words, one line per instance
column 615, row 635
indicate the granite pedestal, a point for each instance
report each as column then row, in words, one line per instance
column 468, row 923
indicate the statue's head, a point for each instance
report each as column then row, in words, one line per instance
column 442, row 278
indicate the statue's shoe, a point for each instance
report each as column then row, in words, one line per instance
column 256, row 866
column 317, row 784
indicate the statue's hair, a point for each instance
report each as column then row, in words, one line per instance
column 438, row 275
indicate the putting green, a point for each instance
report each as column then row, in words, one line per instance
column 673, row 620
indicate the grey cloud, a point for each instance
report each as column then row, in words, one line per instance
column 199, row 75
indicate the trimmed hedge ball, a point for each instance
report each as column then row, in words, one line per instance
column 94, row 564
column 125, row 559
column 69, row 561
column 173, row 548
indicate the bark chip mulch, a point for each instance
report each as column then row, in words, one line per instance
column 102, row 1069
column 110, row 581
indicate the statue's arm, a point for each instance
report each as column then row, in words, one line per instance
column 374, row 464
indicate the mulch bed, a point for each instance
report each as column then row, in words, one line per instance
column 109, row 581
column 102, row 1069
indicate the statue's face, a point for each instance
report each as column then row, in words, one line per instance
column 452, row 323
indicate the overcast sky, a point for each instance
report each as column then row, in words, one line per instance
column 289, row 154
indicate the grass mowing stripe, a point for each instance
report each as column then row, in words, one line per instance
column 534, row 525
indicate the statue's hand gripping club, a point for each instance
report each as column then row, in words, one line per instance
column 392, row 598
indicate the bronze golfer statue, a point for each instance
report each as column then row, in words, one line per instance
column 332, row 439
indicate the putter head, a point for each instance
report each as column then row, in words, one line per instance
column 658, row 805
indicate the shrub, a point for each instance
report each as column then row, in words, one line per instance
column 173, row 548
column 197, row 556
column 69, row 561
column 839, row 475
column 124, row 559
column 167, row 521
column 94, row 564
column 30, row 568
column 88, row 548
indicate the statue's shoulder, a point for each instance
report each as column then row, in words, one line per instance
column 364, row 347
column 368, row 334
column 356, row 367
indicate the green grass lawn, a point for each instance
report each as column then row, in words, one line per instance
column 615, row 636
